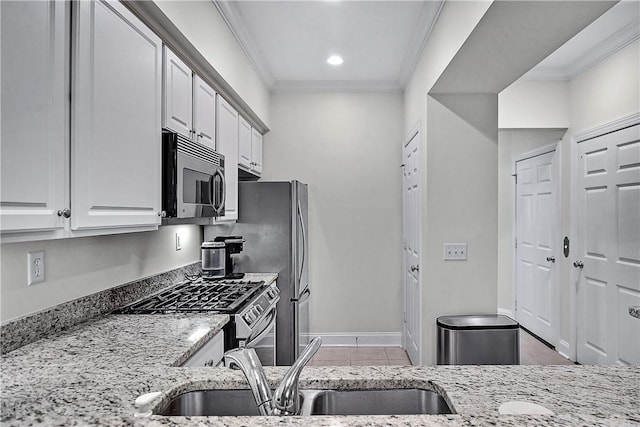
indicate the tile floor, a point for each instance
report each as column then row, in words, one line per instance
column 532, row 352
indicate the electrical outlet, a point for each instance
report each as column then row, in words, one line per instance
column 178, row 242
column 35, row 267
column 455, row 251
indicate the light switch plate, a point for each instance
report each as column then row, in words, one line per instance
column 178, row 242
column 35, row 267
column 455, row 251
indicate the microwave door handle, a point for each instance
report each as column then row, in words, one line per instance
column 224, row 192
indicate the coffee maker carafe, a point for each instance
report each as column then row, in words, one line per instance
column 233, row 245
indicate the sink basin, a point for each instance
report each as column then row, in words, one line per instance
column 212, row 403
column 218, row 402
column 374, row 402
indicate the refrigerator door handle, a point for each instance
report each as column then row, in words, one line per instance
column 304, row 241
column 304, row 295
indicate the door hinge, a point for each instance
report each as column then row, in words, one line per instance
column 515, row 175
column 404, row 316
column 516, row 243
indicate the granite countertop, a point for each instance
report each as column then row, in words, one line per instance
column 92, row 373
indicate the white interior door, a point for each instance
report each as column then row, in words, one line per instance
column 537, row 246
column 608, row 248
column 411, row 248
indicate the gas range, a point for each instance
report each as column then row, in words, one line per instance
column 251, row 305
column 199, row 295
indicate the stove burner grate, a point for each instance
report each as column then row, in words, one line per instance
column 197, row 296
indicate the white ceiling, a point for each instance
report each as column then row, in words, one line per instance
column 380, row 41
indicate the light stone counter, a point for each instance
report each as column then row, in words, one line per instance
column 92, row 373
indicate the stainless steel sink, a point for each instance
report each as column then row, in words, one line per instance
column 212, row 403
column 374, row 402
column 220, row 402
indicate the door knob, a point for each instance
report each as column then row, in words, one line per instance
column 415, row 268
column 551, row 259
column 578, row 264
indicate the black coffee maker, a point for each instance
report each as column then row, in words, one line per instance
column 233, row 245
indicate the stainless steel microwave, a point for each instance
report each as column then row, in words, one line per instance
column 193, row 184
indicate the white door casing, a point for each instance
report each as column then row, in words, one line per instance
column 608, row 247
column 411, row 230
column 538, row 245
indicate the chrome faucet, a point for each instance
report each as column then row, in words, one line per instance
column 285, row 400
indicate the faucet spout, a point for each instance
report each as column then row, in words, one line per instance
column 286, row 400
column 247, row 360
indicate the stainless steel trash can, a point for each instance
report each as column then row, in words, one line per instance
column 478, row 340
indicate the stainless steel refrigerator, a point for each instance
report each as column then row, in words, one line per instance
column 273, row 220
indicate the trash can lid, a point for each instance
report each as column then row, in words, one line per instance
column 477, row 321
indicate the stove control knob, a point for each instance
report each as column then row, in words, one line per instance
column 248, row 318
column 259, row 309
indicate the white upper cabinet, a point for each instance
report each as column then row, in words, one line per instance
column 116, row 112
column 227, row 145
column 178, row 95
column 256, row 152
column 204, row 99
column 244, row 144
column 35, row 113
column 250, row 148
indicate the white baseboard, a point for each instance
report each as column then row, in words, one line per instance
column 564, row 348
column 360, row 339
column 506, row 312
column 344, row 339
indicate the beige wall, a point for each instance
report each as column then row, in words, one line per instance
column 347, row 148
column 530, row 104
column 448, row 201
column 607, row 91
column 83, row 266
column 205, row 28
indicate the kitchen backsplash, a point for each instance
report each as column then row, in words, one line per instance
column 24, row 330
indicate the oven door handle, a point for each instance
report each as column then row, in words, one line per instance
column 270, row 321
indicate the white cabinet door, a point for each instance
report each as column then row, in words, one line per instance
column 256, row 152
column 116, row 107
column 204, row 121
column 178, row 95
column 35, row 108
column 244, row 144
column 227, row 145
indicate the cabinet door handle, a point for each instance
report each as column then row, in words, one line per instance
column 578, row 264
column 66, row 213
column 415, row 268
column 551, row 259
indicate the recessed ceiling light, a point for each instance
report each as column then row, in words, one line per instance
column 335, row 60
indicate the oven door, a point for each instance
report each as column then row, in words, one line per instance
column 263, row 339
column 200, row 188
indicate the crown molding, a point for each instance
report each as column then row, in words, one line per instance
column 427, row 20
column 621, row 38
column 233, row 18
column 349, row 86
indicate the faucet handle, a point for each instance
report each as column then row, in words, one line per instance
column 286, row 400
